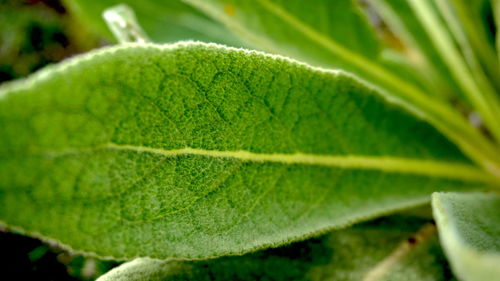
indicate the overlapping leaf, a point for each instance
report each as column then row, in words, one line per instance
column 410, row 252
column 469, row 228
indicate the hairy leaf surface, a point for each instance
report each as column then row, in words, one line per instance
column 469, row 228
column 410, row 252
column 194, row 150
column 164, row 20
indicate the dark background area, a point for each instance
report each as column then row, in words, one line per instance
column 34, row 33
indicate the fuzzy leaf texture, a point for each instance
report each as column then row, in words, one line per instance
column 411, row 252
column 196, row 150
column 469, row 228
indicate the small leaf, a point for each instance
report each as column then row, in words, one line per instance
column 164, row 20
column 469, row 228
column 393, row 248
column 196, row 150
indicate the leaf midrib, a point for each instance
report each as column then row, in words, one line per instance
column 390, row 164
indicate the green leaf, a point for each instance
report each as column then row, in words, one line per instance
column 496, row 14
column 478, row 92
column 164, row 20
column 477, row 18
column 336, row 35
column 392, row 248
column 469, row 228
column 196, row 150
column 418, row 47
column 459, row 18
column 323, row 33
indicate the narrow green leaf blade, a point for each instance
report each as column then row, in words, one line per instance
column 402, row 21
column 393, row 248
column 469, row 228
column 196, row 150
column 477, row 17
column 322, row 33
column 164, row 20
column 496, row 15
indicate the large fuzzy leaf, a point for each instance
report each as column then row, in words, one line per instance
column 195, row 150
column 469, row 228
column 410, row 252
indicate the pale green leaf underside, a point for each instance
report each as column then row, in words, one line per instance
column 353, row 254
column 194, row 150
column 469, row 228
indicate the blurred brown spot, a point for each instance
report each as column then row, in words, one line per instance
column 412, row 240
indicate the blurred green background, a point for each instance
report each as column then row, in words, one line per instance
column 34, row 33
